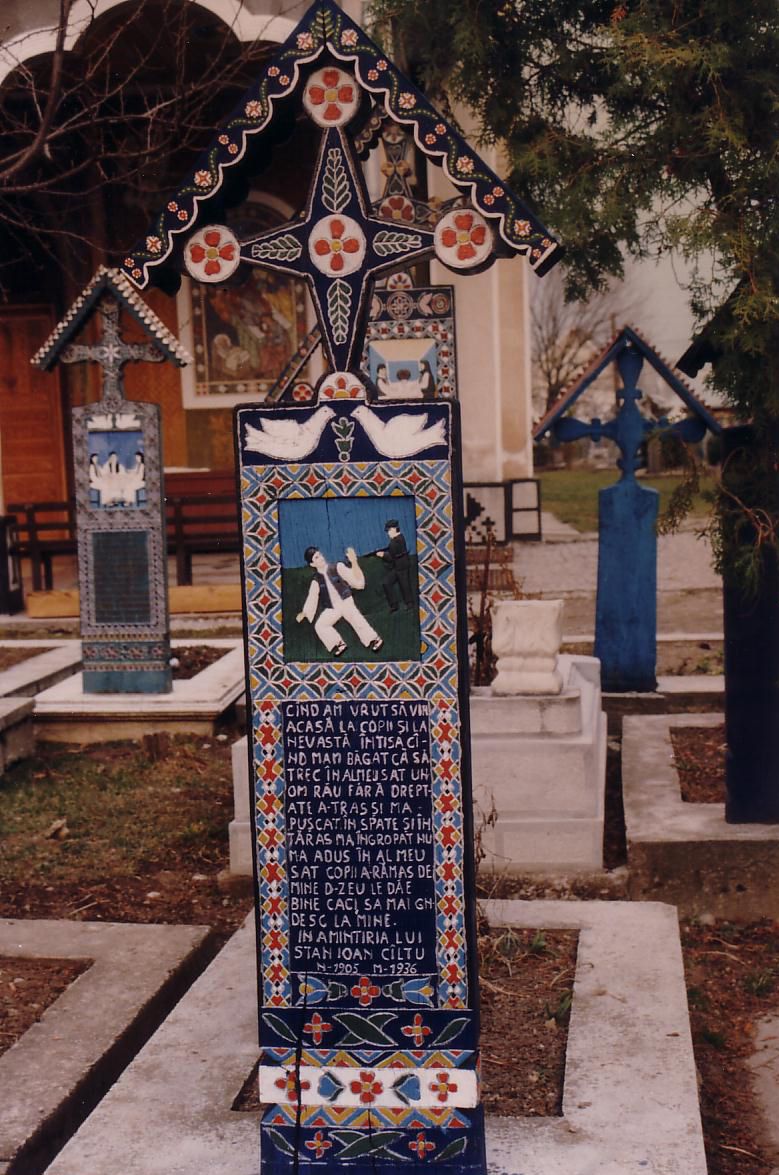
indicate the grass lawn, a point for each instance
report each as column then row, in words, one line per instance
column 572, row 494
column 126, row 832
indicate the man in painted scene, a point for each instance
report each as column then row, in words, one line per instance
column 331, row 590
column 397, row 567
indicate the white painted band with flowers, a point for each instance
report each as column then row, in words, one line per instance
column 342, row 1085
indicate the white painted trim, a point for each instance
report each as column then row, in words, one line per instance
column 247, row 26
column 463, row 1085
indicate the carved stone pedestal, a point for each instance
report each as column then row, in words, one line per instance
column 539, row 765
column 526, row 638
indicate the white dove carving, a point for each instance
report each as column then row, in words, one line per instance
column 286, row 439
column 403, row 435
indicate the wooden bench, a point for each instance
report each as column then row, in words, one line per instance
column 201, row 524
column 43, row 530
column 197, row 524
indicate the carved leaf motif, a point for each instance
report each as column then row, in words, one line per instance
column 280, row 1027
column 387, row 242
column 324, row 26
column 449, row 1032
column 365, row 1029
column 339, row 308
column 455, row 1147
column 366, row 1144
column 286, row 248
column 280, row 1141
column 335, row 184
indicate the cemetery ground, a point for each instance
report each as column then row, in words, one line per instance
column 136, row 859
column 137, row 832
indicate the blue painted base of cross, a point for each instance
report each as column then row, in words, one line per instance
column 368, row 1009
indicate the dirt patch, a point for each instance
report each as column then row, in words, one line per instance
column 27, row 988
column 15, row 656
column 526, row 979
column 699, row 756
column 732, row 979
column 688, row 610
column 526, row 992
column 193, row 659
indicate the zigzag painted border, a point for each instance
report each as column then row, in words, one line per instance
column 434, row 678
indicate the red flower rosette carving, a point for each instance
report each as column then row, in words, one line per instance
column 331, row 97
column 337, row 245
column 212, row 254
column 462, row 239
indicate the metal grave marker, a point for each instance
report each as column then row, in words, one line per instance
column 356, row 643
column 120, row 520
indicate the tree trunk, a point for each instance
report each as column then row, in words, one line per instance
column 751, row 616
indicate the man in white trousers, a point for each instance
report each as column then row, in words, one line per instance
column 331, row 589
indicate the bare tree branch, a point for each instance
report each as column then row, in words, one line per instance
column 566, row 334
column 117, row 118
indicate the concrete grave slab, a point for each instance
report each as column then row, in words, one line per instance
column 16, row 731
column 65, row 713
column 630, row 1102
column 764, row 1065
column 56, row 661
column 686, row 853
column 53, row 1076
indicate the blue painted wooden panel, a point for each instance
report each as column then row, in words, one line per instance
column 626, row 609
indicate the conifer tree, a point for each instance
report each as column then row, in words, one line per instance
column 634, row 129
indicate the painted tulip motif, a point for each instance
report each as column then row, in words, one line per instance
column 331, row 97
column 212, row 254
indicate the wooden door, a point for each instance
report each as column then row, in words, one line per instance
column 31, row 428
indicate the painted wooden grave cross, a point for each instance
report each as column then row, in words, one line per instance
column 356, row 641
column 120, row 521
column 626, row 601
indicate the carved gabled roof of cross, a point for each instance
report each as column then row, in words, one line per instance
column 109, row 290
column 341, row 76
column 627, row 339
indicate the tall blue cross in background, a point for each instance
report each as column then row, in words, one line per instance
column 626, row 603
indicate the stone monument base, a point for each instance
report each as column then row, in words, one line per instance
column 539, row 767
column 67, row 713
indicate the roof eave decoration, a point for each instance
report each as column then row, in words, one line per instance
column 326, row 29
column 628, row 336
column 114, row 282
